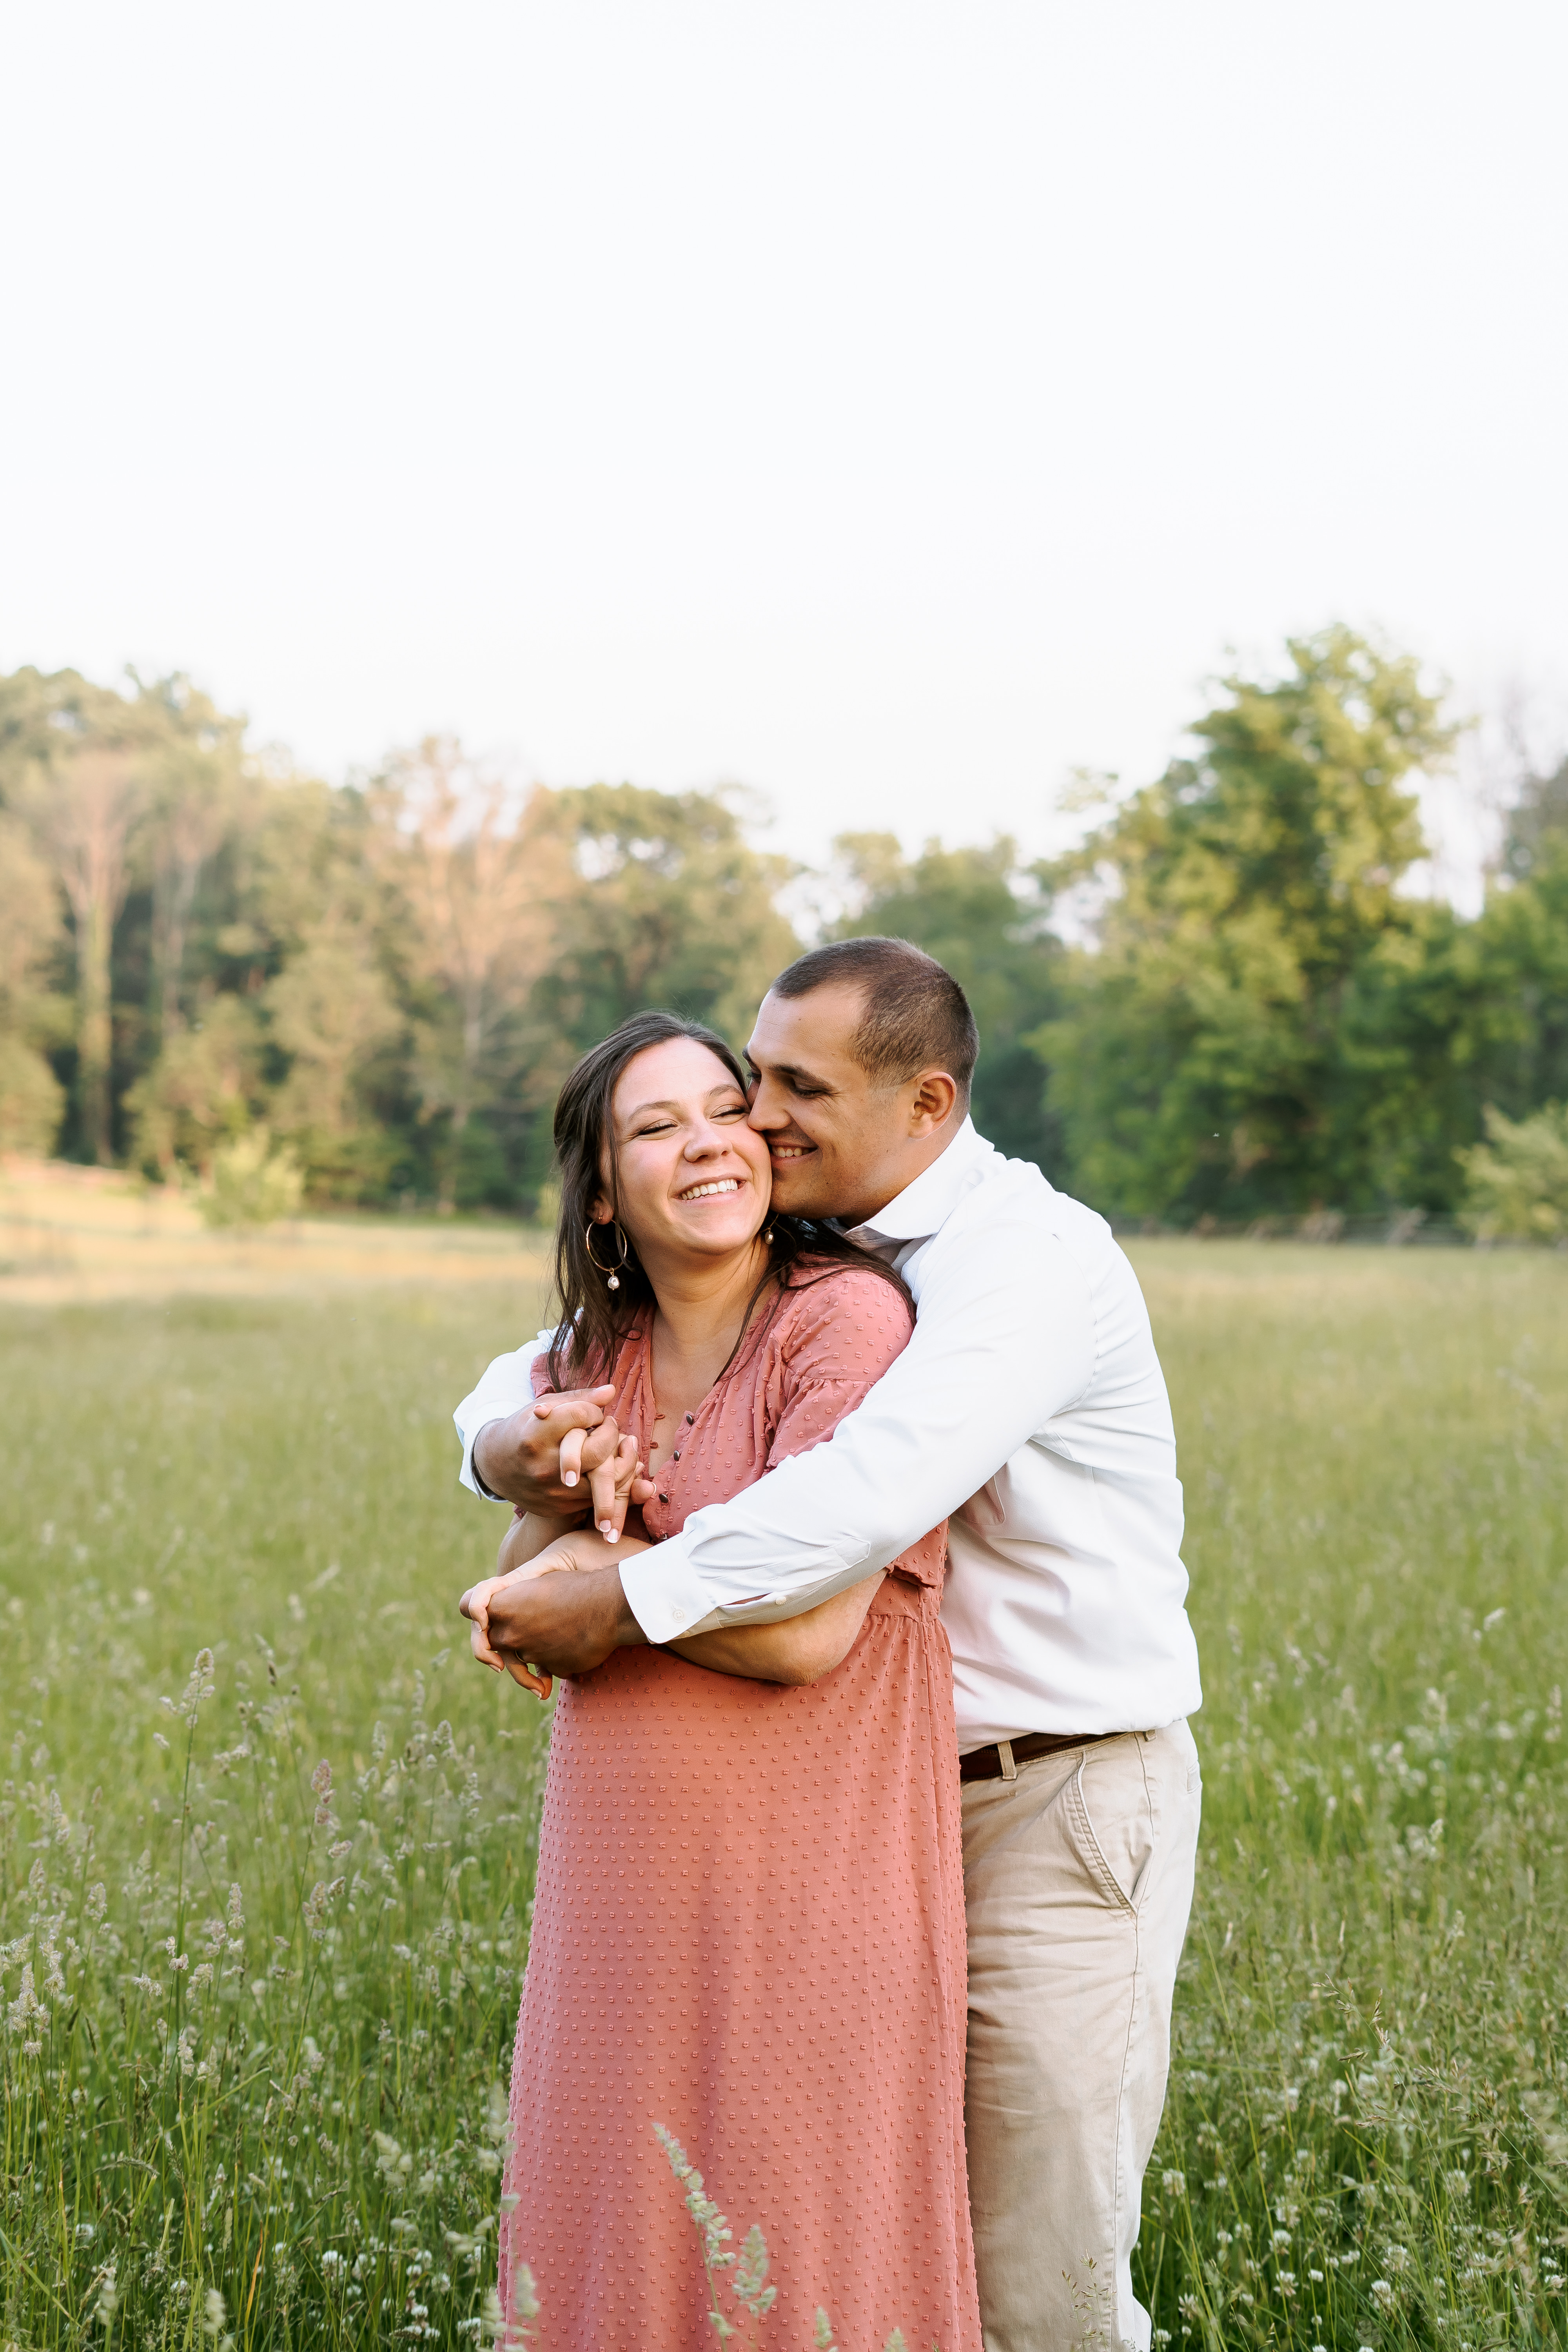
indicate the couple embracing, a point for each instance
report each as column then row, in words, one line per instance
column 845, row 1502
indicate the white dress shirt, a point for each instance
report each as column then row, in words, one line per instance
column 1029, row 1408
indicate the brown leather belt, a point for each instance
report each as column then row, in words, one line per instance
column 989, row 1764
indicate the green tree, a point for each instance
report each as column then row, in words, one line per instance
column 982, row 916
column 1516, row 1182
column 655, row 899
column 475, row 885
column 202, row 1092
column 658, row 898
column 1206, row 1059
column 32, row 1101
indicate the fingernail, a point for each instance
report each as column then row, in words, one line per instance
column 608, row 1532
column 568, row 1477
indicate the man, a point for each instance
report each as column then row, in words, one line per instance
column 1029, row 1406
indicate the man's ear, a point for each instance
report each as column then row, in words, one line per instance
column 932, row 1102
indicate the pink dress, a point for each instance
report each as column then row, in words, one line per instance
column 748, row 1927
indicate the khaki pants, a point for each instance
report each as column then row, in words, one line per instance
column 1078, row 1877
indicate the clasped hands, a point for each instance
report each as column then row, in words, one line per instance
column 523, row 1621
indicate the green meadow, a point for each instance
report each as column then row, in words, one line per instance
column 266, row 1839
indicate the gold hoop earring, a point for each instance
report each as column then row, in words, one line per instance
column 610, row 1272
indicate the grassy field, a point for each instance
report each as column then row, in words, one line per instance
column 262, row 1922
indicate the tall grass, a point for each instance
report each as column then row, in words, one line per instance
column 1366, row 2141
column 261, row 1945
column 264, row 1918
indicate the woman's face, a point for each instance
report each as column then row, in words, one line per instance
column 694, row 1179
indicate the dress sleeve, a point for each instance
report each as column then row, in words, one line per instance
column 843, row 1331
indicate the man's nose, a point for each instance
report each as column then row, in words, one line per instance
column 765, row 1112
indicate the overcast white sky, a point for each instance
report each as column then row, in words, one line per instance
column 887, row 406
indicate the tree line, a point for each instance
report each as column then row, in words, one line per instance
column 1226, row 1003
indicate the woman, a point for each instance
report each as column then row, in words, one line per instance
column 748, row 1922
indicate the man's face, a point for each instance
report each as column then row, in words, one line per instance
column 842, row 1143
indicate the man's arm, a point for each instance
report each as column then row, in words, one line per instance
column 1005, row 1339
column 506, row 1388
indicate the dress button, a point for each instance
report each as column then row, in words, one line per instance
column 676, row 1455
column 664, row 1498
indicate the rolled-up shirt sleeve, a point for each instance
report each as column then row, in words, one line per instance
column 506, row 1387
column 1004, row 1341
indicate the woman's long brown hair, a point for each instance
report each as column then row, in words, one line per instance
column 592, row 1319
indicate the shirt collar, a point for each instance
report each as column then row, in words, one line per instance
column 917, row 1212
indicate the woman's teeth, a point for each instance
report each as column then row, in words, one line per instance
column 702, row 1191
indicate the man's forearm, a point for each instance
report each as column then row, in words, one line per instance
column 997, row 1348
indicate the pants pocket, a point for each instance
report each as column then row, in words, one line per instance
column 1115, row 1819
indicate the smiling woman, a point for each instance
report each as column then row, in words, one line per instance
column 749, row 1917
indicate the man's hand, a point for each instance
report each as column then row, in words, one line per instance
column 541, row 1456
column 559, row 1624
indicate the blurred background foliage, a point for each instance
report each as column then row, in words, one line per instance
column 1230, row 1001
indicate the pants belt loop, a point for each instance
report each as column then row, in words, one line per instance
column 1005, row 1750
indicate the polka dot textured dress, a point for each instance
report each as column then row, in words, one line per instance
column 749, row 1927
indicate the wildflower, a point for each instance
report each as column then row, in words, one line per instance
column 524, row 2302
column 390, row 2159
column 1174, row 2184
column 215, row 2322
column 200, row 1686
column 321, row 1783
column 751, row 2270
column 822, row 2334
column 108, row 2295
column 712, row 2226
column 27, row 2008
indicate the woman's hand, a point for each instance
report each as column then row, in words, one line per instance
column 475, row 1606
column 616, row 1478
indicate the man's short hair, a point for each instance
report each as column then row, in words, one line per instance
column 916, row 1017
